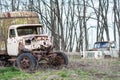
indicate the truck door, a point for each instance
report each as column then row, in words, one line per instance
column 114, row 51
column 12, row 45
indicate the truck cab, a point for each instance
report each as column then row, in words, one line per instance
column 26, row 37
column 104, row 46
column 104, row 49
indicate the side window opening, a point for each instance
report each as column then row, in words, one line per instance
column 41, row 30
column 12, row 33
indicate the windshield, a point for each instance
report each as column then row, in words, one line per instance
column 27, row 30
column 102, row 45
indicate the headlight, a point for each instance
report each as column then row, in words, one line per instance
column 27, row 42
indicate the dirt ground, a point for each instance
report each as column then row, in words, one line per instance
column 99, row 69
column 77, row 69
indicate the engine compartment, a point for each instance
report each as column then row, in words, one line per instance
column 36, row 42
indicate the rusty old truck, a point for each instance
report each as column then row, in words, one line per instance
column 24, row 43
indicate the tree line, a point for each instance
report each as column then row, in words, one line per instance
column 67, row 20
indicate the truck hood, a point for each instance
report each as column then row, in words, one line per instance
column 33, row 36
column 32, row 42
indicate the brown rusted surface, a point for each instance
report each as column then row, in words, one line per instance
column 49, row 59
column 25, row 63
column 2, row 63
column 18, row 14
column 12, row 59
column 3, row 52
column 57, row 60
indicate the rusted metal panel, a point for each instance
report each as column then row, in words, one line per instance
column 18, row 14
column 12, row 18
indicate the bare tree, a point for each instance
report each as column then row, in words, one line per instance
column 66, row 20
column 116, row 9
column 104, row 5
column 102, row 20
column 31, row 5
column 84, row 23
column 13, row 4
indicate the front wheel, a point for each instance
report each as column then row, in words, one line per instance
column 26, row 62
column 60, row 59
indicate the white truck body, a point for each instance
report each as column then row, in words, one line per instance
column 102, row 50
column 99, row 54
column 13, row 43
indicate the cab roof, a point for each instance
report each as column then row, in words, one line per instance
column 24, row 25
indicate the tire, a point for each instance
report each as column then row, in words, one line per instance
column 60, row 59
column 26, row 62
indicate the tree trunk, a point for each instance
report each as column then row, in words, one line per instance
column 13, row 5
column 84, row 24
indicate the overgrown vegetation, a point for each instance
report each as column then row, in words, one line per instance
column 106, row 69
column 7, row 73
column 11, row 73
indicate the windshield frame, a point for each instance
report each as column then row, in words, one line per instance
column 29, row 30
column 101, row 45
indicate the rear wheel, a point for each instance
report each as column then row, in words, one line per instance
column 60, row 59
column 26, row 62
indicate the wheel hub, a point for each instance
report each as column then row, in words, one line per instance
column 25, row 63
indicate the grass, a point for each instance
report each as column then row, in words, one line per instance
column 89, row 70
column 7, row 73
column 11, row 73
